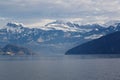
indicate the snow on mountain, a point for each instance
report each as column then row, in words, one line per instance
column 14, row 24
column 113, row 23
column 14, row 27
column 60, row 25
column 59, row 34
column 94, row 36
column 65, row 26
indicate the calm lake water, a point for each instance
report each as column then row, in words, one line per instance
column 60, row 68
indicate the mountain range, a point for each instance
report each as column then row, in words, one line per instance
column 55, row 37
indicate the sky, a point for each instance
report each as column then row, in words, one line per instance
column 40, row 12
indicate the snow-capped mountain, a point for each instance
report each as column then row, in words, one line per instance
column 60, row 25
column 14, row 27
column 66, row 26
column 54, row 37
column 112, row 23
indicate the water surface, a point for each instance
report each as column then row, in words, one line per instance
column 60, row 68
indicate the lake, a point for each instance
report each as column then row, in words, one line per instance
column 60, row 68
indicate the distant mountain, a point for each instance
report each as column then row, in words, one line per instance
column 15, row 50
column 111, row 23
column 55, row 37
column 109, row 44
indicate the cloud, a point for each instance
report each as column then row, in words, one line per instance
column 3, row 18
column 42, row 22
column 87, row 10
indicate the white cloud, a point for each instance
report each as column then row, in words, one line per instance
column 2, row 18
column 3, row 21
column 42, row 22
column 83, row 10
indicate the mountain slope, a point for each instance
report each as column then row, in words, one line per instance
column 108, row 44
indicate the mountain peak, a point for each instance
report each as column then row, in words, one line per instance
column 112, row 23
column 14, row 24
column 14, row 27
column 57, row 22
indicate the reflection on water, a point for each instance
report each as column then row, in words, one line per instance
column 83, row 67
